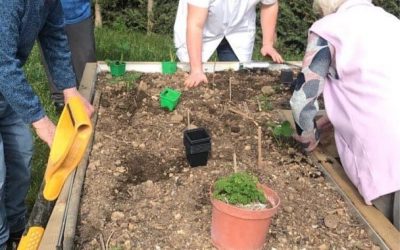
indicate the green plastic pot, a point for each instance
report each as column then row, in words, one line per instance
column 168, row 67
column 117, row 68
column 169, row 98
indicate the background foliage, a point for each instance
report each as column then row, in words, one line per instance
column 295, row 17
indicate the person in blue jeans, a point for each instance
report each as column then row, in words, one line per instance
column 227, row 27
column 22, row 22
column 79, row 28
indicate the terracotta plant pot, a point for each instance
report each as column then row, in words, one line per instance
column 234, row 228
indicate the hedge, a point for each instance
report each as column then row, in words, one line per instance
column 295, row 17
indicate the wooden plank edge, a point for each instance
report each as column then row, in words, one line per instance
column 380, row 228
column 208, row 67
column 74, row 201
column 55, row 226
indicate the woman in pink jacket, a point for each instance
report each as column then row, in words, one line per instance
column 352, row 58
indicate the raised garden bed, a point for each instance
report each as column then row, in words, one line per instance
column 141, row 193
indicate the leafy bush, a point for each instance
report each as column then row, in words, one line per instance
column 133, row 14
column 295, row 18
column 238, row 188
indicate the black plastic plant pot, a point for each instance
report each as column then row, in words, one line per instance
column 286, row 76
column 198, row 146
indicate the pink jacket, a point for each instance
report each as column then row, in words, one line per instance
column 364, row 104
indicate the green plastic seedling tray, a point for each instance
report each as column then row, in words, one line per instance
column 169, row 98
column 168, row 67
column 117, row 68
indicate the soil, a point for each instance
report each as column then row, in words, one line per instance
column 140, row 192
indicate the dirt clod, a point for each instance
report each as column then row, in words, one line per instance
column 331, row 221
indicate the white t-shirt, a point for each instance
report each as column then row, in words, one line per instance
column 233, row 19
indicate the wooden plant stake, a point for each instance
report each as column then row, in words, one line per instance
column 213, row 73
column 189, row 126
column 102, row 244
column 230, row 89
column 244, row 115
column 188, row 118
column 260, row 158
column 235, row 169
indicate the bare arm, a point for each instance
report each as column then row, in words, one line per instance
column 196, row 19
column 269, row 16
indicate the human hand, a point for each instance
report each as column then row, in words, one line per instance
column 324, row 124
column 45, row 129
column 72, row 92
column 195, row 78
column 309, row 140
column 269, row 50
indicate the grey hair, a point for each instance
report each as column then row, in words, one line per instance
column 326, row 7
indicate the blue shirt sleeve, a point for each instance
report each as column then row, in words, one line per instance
column 76, row 11
column 54, row 43
column 13, row 85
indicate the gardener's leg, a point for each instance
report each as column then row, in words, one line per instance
column 56, row 95
column 396, row 210
column 225, row 52
column 17, row 146
column 3, row 216
column 82, row 44
column 389, row 205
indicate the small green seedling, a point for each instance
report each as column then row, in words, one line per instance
column 124, row 48
column 282, row 132
column 129, row 80
column 265, row 103
column 238, row 188
column 172, row 56
column 278, row 89
column 169, row 67
column 283, row 129
column 118, row 68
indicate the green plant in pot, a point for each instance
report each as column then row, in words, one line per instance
column 169, row 67
column 242, row 210
column 118, row 67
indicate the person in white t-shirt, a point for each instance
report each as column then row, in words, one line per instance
column 229, row 27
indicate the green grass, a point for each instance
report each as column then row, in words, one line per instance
column 110, row 42
column 36, row 76
column 142, row 47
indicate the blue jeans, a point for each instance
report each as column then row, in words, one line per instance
column 225, row 52
column 16, row 148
